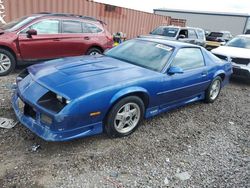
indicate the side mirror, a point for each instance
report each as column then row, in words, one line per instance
column 181, row 36
column 175, row 70
column 31, row 32
column 150, row 32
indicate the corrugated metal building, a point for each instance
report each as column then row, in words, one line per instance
column 236, row 23
column 131, row 22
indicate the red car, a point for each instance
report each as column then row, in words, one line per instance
column 48, row 36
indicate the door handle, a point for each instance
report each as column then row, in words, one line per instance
column 57, row 39
column 204, row 73
column 86, row 38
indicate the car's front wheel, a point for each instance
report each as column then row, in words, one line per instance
column 7, row 62
column 94, row 51
column 213, row 91
column 124, row 117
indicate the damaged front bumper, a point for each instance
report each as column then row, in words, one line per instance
column 45, row 131
column 44, row 123
column 242, row 71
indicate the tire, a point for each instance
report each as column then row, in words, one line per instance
column 214, row 87
column 7, row 62
column 93, row 51
column 124, row 117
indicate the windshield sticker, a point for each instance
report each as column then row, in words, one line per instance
column 164, row 47
column 171, row 31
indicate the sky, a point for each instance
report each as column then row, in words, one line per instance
column 237, row 6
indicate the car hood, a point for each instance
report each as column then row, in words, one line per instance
column 232, row 51
column 6, row 35
column 157, row 37
column 75, row 76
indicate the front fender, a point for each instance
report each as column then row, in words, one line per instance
column 127, row 91
column 10, row 43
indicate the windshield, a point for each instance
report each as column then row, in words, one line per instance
column 165, row 31
column 239, row 42
column 147, row 54
column 215, row 34
column 16, row 24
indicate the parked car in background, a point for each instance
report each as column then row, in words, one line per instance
column 247, row 31
column 48, row 36
column 207, row 32
column 216, row 39
column 76, row 97
column 237, row 51
column 184, row 34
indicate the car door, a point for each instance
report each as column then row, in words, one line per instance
column 73, row 39
column 77, row 37
column 44, row 45
column 191, row 37
column 96, row 35
column 181, row 87
column 201, row 41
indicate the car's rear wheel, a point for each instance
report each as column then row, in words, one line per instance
column 213, row 91
column 7, row 62
column 124, row 117
column 94, row 51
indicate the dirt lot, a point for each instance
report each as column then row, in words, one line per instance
column 199, row 145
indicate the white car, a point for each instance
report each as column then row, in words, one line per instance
column 237, row 51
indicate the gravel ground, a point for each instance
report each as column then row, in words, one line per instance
column 199, row 145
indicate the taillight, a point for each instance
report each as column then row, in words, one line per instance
column 109, row 36
column 110, row 41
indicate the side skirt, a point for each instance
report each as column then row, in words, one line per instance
column 153, row 111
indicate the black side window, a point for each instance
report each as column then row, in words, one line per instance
column 71, row 27
column 90, row 28
column 192, row 34
column 188, row 58
column 184, row 32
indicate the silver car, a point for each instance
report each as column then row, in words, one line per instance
column 237, row 51
column 191, row 35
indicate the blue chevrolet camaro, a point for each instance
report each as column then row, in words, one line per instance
column 76, row 97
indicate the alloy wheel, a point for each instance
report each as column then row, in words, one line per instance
column 215, row 89
column 127, row 118
column 94, row 53
column 5, row 63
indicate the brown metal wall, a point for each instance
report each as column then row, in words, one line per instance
column 178, row 22
column 128, row 21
